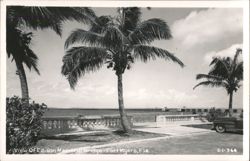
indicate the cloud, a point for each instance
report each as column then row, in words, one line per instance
column 228, row 52
column 208, row 26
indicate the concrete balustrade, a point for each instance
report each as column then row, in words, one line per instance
column 57, row 125
column 162, row 120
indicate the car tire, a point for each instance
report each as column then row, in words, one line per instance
column 220, row 128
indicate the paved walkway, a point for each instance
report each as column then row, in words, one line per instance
column 172, row 130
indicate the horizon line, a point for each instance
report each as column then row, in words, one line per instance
column 138, row 108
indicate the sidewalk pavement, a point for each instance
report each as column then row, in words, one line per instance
column 172, row 131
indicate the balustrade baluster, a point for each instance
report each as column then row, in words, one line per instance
column 50, row 125
column 62, row 125
column 45, row 124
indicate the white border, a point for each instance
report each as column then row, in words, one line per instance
column 193, row 4
column 180, row 4
column 246, row 97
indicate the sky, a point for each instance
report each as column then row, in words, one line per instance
column 198, row 35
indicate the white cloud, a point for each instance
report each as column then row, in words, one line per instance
column 207, row 26
column 228, row 52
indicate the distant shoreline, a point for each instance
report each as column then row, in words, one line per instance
column 112, row 111
column 138, row 108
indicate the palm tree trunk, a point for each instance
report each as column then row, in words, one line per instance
column 230, row 104
column 23, row 81
column 124, row 120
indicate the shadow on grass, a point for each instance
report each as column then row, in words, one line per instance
column 88, row 137
column 104, row 136
column 69, row 141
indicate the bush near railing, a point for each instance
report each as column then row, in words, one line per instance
column 23, row 124
column 215, row 113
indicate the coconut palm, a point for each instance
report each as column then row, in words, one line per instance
column 227, row 73
column 117, row 42
column 18, row 46
column 20, row 18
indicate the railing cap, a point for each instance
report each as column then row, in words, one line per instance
column 59, row 118
column 179, row 115
column 89, row 117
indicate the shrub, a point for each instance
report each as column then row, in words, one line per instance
column 213, row 114
column 23, row 124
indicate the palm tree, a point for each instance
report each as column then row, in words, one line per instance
column 18, row 41
column 18, row 46
column 227, row 73
column 118, row 42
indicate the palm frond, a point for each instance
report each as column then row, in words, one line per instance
column 130, row 20
column 13, row 39
column 48, row 17
column 80, row 60
column 220, row 67
column 145, row 53
column 112, row 35
column 114, row 38
column 238, row 72
column 211, row 84
column 150, row 30
column 87, row 14
column 238, row 52
column 18, row 46
column 30, row 59
column 100, row 24
column 226, row 72
column 209, row 77
column 84, row 36
column 235, row 63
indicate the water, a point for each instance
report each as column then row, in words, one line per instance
column 87, row 112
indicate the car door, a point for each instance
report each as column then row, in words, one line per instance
column 239, row 124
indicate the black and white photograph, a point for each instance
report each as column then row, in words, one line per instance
column 109, row 80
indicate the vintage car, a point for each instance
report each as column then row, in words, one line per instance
column 223, row 124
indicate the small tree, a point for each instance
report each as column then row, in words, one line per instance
column 227, row 73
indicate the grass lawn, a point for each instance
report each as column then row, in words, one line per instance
column 210, row 143
column 200, row 144
column 54, row 144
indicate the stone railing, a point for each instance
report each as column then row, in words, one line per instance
column 58, row 125
column 168, row 119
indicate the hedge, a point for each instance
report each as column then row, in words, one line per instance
column 23, row 124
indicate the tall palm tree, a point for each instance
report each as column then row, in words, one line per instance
column 18, row 46
column 227, row 73
column 18, row 42
column 118, row 42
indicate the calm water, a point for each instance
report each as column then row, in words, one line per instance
column 87, row 112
